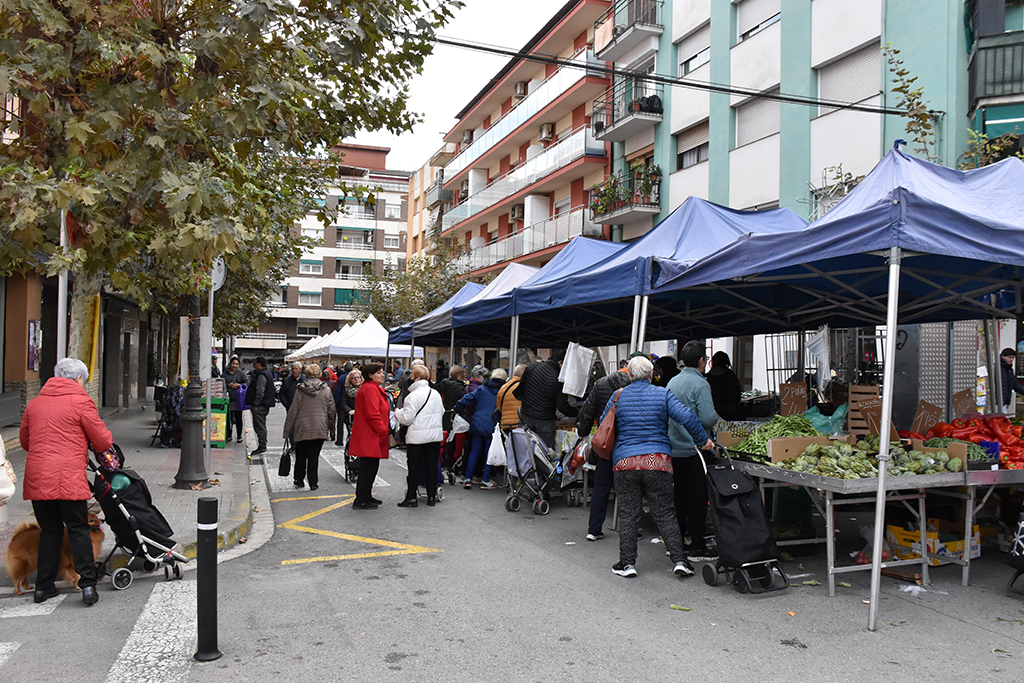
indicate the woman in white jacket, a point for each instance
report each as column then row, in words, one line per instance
column 421, row 413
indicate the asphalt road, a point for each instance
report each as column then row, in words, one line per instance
column 466, row 591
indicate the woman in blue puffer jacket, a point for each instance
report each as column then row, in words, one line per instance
column 481, row 427
column 642, row 463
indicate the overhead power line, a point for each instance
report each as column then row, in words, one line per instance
column 667, row 80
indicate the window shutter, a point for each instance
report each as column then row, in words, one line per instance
column 757, row 119
column 692, row 137
column 853, row 78
column 697, row 41
column 750, row 13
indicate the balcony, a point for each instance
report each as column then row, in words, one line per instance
column 358, row 246
column 350, row 277
column 630, row 107
column 554, row 231
column 559, row 155
column 622, row 200
column 438, row 195
column 443, row 155
column 624, row 26
column 528, row 107
column 997, row 67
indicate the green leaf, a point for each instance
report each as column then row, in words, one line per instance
column 78, row 130
column 681, row 609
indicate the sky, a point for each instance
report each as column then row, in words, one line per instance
column 453, row 76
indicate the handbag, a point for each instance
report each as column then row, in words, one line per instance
column 496, row 451
column 286, row 461
column 604, row 440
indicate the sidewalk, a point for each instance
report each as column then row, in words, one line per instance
column 132, row 430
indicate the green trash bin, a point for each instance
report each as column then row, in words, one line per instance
column 219, row 418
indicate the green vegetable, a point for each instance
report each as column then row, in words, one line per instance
column 681, row 609
column 954, row 465
column 974, row 451
column 778, row 427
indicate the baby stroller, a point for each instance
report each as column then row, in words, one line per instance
column 574, row 473
column 140, row 530
column 747, row 553
column 533, row 471
column 351, row 463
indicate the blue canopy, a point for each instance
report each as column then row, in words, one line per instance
column 438, row 320
column 961, row 232
column 580, row 253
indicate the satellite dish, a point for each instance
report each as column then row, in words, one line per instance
column 220, row 271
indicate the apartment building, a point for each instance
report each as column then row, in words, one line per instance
column 510, row 181
column 995, row 30
column 323, row 287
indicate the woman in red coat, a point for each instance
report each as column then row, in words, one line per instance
column 370, row 430
column 56, row 431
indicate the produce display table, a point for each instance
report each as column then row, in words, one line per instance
column 861, row 491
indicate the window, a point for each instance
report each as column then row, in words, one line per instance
column 311, row 268
column 692, row 146
column 753, row 16
column 853, row 78
column 699, row 59
column 355, row 239
column 309, row 298
column 308, row 328
column 392, row 211
column 317, row 233
column 695, row 50
column 757, row 119
column 392, row 242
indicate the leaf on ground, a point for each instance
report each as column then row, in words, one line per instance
column 196, row 487
column 897, row 623
column 1000, row 651
column 681, row 609
column 844, row 584
column 812, row 582
column 1012, row 621
column 213, row 482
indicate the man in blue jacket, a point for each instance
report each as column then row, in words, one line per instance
column 690, row 481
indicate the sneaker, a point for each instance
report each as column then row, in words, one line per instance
column 477, row 480
column 683, row 568
column 595, row 537
column 488, row 486
column 703, row 555
column 626, row 570
column 468, row 484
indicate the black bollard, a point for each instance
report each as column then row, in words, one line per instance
column 206, row 581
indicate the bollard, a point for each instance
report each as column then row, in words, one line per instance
column 206, row 581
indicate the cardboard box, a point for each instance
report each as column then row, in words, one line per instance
column 953, row 450
column 780, row 449
column 727, row 439
column 906, row 545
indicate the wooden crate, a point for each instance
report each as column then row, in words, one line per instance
column 855, row 422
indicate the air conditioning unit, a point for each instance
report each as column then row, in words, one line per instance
column 467, row 137
column 547, row 132
column 439, row 176
column 522, row 89
column 518, row 212
column 464, row 188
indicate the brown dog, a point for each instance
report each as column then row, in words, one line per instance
column 23, row 553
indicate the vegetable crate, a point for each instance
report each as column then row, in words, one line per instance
column 907, row 545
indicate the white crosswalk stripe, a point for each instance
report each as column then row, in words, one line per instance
column 6, row 650
column 30, row 609
column 163, row 640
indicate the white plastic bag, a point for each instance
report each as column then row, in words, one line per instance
column 575, row 372
column 459, row 426
column 496, row 451
column 7, row 477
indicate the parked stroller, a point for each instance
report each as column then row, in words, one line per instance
column 574, row 472
column 747, row 552
column 140, row 530
column 533, row 470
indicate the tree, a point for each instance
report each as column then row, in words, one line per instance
column 173, row 131
column 395, row 297
column 981, row 151
column 920, row 118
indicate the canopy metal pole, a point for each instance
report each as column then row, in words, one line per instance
column 62, row 294
column 636, row 323
column 888, row 377
column 994, row 404
column 514, row 346
column 451, row 349
column 412, row 343
column 641, row 333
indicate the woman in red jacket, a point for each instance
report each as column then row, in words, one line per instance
column 56, row 432
column 370, row 429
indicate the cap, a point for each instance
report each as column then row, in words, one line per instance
column 638, row 354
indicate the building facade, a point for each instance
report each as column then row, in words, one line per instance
column 320, row 294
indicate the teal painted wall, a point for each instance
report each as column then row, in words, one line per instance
column 797, row 78
column 664, row 146
column 720, row 124
column 936, row 52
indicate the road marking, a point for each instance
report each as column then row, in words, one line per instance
column 335, row 457
column 31, row 609
column 342, row 495
column 399, row 548
column 163, row 640
column 6, row 650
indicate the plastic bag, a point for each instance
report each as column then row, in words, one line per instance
column 828, row 424
column 460, row 425
column 496, row 451
column 864, row 556
column 575, row 371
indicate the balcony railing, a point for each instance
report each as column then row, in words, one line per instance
column 625, row 25
column 559, row 155
column 997, row 67
column 261, row 335
column 528, row 107
column 344, row 307
column 359, row 214
column 627, row 108
column 350, row 277
column 277, row 304
column 358, row 246
column 556, row 230
column 621, row 199
column 438, row 195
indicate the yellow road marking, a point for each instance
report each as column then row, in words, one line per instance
column 295, row 524
column 342, row 495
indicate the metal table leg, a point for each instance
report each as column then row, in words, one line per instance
column 830, row 543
